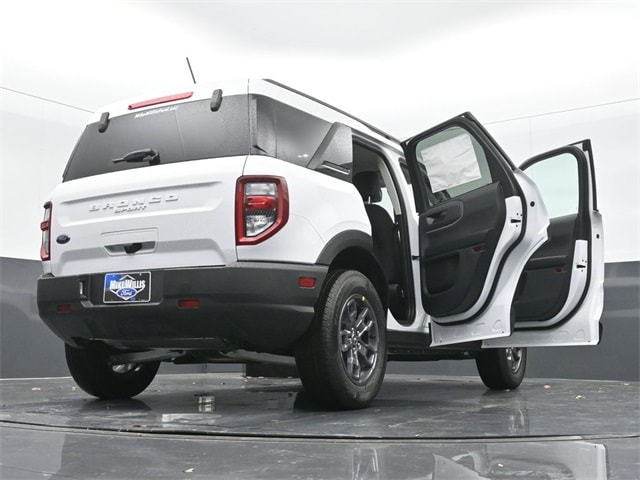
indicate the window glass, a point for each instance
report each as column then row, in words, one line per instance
column 386, row 203
column 405, row 171
column 287, row 133
column 182, row 132
column 453, row 163
column 557, row 180
column 369, row 161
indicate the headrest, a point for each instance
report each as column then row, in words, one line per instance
column 369, row 184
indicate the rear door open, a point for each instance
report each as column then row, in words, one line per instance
column 480, row 219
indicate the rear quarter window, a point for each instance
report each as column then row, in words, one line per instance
column 285, row 132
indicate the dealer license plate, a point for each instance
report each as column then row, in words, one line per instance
column 127, row 287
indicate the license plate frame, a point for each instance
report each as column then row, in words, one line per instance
column 127, row 287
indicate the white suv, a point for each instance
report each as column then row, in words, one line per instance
column 250, row 217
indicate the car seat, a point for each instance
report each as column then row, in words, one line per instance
column 386, row 242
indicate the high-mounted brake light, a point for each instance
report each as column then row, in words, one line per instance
column 45, row 226
column 156, row 101
column 262, row 208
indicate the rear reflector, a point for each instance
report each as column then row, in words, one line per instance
column 189, row 303
column 306, row 282
column 156, row 101
column 63, row 308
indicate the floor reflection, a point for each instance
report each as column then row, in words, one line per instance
column 150, row 456
column 212, row 426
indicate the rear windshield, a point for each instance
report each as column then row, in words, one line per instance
column 187, row 131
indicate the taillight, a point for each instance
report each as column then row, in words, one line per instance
column 45, row 226
column 262, row 208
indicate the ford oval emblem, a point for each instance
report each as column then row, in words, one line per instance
column 62, row 239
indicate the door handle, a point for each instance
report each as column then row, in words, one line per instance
column 443, row 215
column 130, row 248
column 437, row 217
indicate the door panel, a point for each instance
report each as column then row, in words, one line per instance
column 459, row 238
column 560, row 294
column 544, row 284
column 473, row 215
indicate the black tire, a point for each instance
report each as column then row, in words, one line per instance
column 343, row 357
column 95, row 375
column 502, row 368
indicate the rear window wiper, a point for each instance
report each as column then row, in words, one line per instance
column 145, row 155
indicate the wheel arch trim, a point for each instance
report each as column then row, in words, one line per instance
column 342, row 241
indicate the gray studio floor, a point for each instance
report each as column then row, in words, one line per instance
column 222, row 425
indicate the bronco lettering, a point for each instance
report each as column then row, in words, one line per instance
column 133, row 205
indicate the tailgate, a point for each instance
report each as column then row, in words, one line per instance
column 163, row 216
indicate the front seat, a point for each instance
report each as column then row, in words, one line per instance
column 386, row 243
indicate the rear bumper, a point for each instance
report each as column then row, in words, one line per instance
column 257, row 306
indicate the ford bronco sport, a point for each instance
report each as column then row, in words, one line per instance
column 251, row 218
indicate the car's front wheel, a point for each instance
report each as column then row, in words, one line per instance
column 502, row 368
column 93, row 372
column 342, row 359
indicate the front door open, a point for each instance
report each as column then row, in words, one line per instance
column 559, row 298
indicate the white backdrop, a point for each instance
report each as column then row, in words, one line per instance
column 615, row 133
column 401, row 66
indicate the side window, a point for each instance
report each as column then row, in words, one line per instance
column 405, row 171
column 284, row 132
column 385, row 202
column 557, row 179
column 372, row 178
column 452, row 162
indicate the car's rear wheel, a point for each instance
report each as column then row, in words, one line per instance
column 93, row 372
column 502, row 368
column 342, row 359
